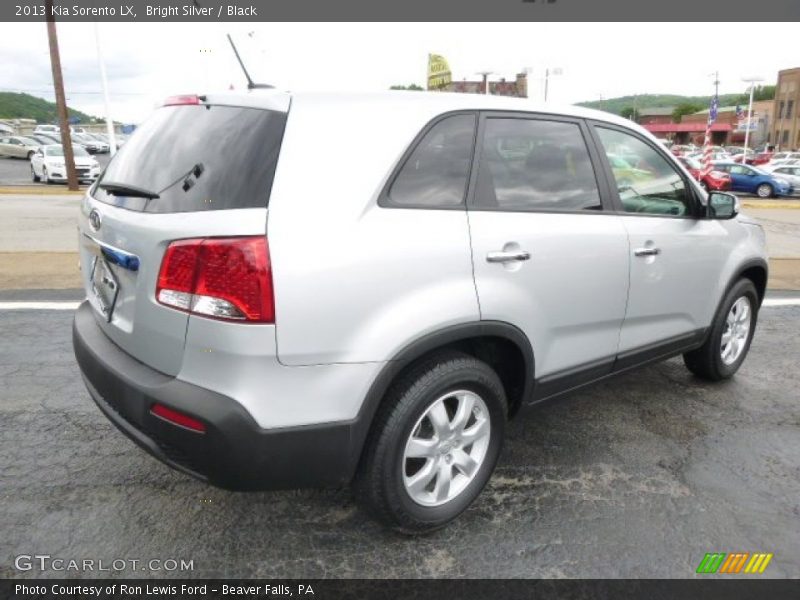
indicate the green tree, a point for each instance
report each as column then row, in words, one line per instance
column 627, row 112
column 685, row 108
column 413, row 87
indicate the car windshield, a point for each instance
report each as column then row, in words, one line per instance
column 59, row 151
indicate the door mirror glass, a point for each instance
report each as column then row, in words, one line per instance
column 722, row 205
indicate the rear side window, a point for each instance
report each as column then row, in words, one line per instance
column 435, row 174
column 203, row 157
column 533, row 164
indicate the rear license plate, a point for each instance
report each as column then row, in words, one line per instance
column 104, row 286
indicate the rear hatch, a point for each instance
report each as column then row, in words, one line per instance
column 211, row 165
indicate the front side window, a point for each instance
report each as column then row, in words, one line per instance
column 646, row 181
column 436, row 172
column 533, row 164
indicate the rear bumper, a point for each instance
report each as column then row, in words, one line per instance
column 234, row 452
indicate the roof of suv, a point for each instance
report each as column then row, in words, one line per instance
column 433, row 102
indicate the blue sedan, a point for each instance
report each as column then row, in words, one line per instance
column 752, row 180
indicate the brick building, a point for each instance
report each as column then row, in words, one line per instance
column 517, row 88
column 786, row 124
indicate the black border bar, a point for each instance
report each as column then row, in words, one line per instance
column 703, row 587
column 210, row 11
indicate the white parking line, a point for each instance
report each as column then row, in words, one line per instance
column 781, row 302
column 39, row 305
column 769, row 303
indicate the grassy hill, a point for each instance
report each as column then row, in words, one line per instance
column 25, row 106
column 617, row 105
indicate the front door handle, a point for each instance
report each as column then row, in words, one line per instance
column 503, row 256
column 647, row 251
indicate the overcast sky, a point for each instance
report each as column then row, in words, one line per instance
column 147, row 62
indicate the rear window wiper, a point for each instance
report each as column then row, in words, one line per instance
column 123, row 189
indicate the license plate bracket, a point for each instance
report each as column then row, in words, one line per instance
column 105, row 286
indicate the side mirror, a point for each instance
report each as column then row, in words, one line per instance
column 722, row 206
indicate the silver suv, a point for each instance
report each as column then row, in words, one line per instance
column 290, row 290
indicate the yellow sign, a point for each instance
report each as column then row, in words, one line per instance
column 438, row 72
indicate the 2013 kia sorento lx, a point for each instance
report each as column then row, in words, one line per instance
column 290, row 290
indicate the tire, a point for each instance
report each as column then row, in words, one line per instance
column 708, row 361
column 764, row 191
column 45, row 176
column 34, row 176
column 384, row 481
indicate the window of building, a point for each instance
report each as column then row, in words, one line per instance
column 647, row 182
column 780, row 109
column 790, row 109
column 535, row 164
column 435, row 174
column 785, row 138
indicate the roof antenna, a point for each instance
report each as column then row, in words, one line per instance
column 250, row 84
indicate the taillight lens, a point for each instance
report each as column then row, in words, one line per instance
column 223, row 278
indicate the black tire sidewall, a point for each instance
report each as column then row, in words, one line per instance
column 474, row 380
column 741, row 288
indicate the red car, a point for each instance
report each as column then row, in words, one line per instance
column 714, row 181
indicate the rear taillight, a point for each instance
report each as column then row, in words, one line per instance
column 223, row 278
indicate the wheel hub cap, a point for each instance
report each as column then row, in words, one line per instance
column 446, row 448
column 737, row 330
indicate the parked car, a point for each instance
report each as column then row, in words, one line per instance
column 47, row 129
column 752, row 180
column 41, row 139
column 90, row 144
column 789, row 172
column 16, row 146
column 713, row 180
column 47, row 164
column 388, row 344
column 783, row 156
column 681, row 149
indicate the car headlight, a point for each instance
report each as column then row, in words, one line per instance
column 781, row 181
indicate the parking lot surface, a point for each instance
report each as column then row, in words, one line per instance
column 636, row 477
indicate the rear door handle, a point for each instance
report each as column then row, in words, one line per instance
column 647, row 251
column 503, row 257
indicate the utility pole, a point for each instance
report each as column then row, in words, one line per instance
column 61, row 101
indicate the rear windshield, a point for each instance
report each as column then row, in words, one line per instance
column 197, row 157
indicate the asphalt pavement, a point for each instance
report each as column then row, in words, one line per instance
column 636, row 477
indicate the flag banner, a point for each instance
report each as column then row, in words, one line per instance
column 439, row 75
column 707, row 153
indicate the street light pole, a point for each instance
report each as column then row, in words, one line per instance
column 752, row 81
column 112, row 140
column 61, row 100
column 546, row 82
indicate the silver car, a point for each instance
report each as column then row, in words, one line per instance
column 790, row 171
column 290, row 290
column 16, row 146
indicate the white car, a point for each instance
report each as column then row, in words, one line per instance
column 47, row 164
column 781, row 156
column 790, row 173
column 47, row 129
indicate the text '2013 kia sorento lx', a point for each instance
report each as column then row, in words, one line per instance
column 289, row 290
